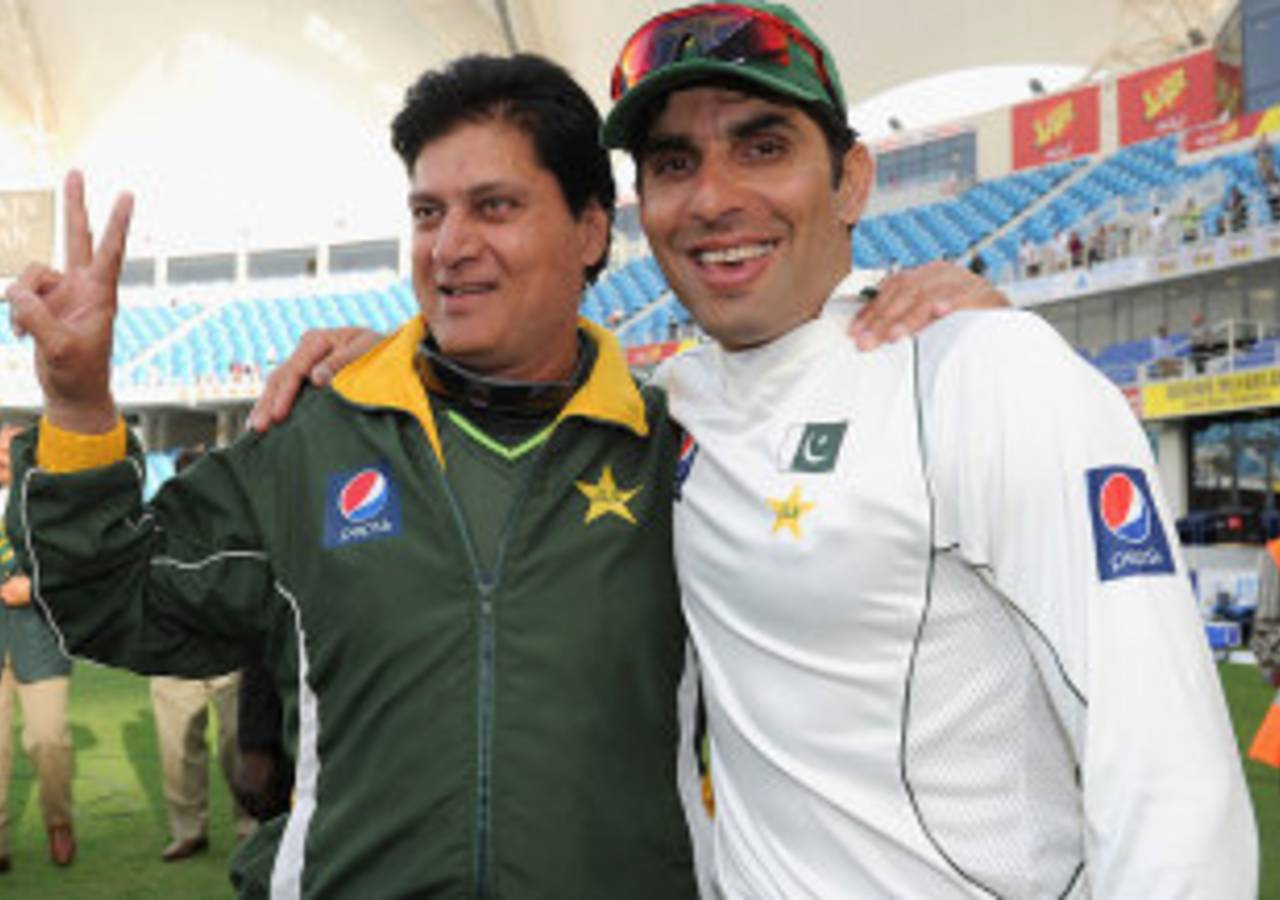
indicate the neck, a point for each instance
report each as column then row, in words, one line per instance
column 451, row 378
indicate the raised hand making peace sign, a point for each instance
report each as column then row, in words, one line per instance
column 70, row 315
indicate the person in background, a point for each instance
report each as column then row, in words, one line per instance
column 1237, row 209
column 39, row 673
column 1265, row 644
column 1202, row 343
column 181, row 710
column 1265, row 158
column 1190, row 219
column 1075, row 249
column 264, row 782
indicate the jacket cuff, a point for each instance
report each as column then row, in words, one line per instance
column 60, row 451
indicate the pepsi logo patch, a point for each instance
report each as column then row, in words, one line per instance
column 360, row 506
column 1128, row 536
column 364, row 496
column 684, row 463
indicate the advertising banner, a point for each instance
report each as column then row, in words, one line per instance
column 1214, row 394
column 1168, row 98
column 1055, row 128
column 26, row 230
column 1220, row 134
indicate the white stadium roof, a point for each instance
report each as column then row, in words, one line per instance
column 227, row 112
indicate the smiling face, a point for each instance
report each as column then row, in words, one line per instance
column 737, row 201
column 498, row 258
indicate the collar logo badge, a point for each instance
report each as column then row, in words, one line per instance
column 606, row 498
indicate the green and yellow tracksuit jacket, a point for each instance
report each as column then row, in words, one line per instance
column 459, row 731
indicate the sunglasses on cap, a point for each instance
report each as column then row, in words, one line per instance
column 720, row 31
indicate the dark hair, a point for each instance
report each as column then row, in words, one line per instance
column 535, row 95
column 839, row 136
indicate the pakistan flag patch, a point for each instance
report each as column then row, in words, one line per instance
column 816, row 446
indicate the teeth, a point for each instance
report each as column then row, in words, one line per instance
column 734, row 254
column 463, row 290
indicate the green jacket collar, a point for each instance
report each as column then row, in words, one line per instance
column 386, row 377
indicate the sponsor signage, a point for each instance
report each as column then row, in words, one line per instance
column 1212, row 394
column 1220, row 134
column 361, row 506
column 1055, row 128
column 26, row 230
column 1129, row 538
column 1168, row 98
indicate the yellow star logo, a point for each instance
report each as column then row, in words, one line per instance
column 788, row 512
column 605, row 498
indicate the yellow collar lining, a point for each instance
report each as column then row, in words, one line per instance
column 386, row 377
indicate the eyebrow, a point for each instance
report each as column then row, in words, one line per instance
column 665, row 143
column 472, row 192
column 659, row 143
column 761, row 122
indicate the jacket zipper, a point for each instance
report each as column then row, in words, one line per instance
column 487, row 583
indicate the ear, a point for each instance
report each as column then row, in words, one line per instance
column 593, row 233
column 857, row 171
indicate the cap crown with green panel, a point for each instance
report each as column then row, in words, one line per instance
column 683, row 61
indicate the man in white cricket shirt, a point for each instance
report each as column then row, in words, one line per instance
column 948, row 646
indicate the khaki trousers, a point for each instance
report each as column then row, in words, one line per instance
column 181, row 707
column 46, row 740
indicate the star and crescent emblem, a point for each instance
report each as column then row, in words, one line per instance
column 606, row 498
column 788, row 512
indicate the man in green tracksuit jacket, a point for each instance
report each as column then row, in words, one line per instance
column 456, row 561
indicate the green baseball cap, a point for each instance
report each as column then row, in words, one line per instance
column 668, row 52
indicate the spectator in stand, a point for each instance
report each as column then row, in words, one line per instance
column 1125, row 242
column 1237, row 209
column 34, row 667
column 1159, row 220
column 978, row 264
column 1164, row 354
column 1061, row 251
column 1190, row 219
column 1202, row 345
column 1266, row 161
column 1075, row 248
column 1097, row 241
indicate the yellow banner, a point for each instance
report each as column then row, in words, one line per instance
column 1213, row 394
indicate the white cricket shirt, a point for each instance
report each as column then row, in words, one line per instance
column 947, row 641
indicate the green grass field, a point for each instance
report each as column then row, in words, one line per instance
column 120, row 818
column 1249, row 698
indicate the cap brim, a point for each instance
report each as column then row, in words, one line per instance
column 616, row 131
